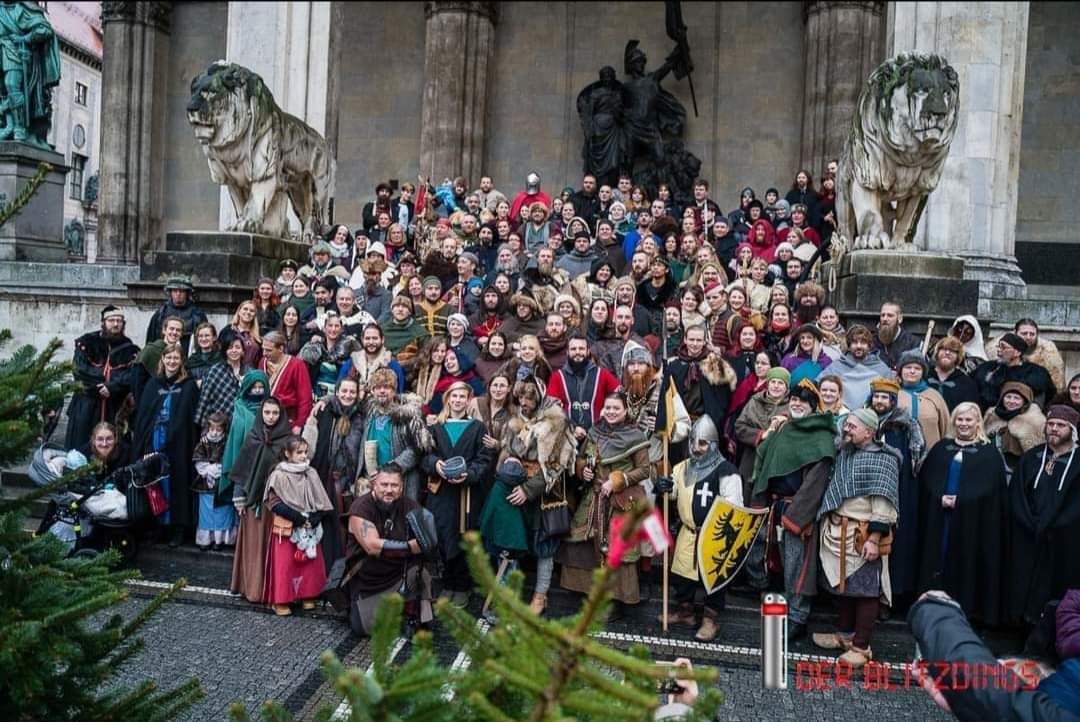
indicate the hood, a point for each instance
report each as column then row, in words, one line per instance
column 976, row 346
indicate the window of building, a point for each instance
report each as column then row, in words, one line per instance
column 80, row 93
column 78, row 166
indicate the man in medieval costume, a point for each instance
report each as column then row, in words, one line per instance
column 30, row 56
column 1044, row 498
column 104, row 368
column 394, row 431
column 857, row 515
column 903, row 433
column 695, row 484
column 641, row 382
column 539, row 438
column 792, row 469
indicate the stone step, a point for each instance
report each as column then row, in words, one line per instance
column 243, row 244
column 207, row 267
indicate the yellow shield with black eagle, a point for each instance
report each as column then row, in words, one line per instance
column 724, row 540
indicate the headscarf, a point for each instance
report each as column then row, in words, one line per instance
column 245, row 407
column 253, row 468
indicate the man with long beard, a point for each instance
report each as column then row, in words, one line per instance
column 856, row 516
column 543, row 280
column 641, row 383
column 892, row 338
column 792, row 469
column 104, row 368
column 705, row 379
column 581, row 386
column 553, row 340
column 809, row 298
column 900, row 431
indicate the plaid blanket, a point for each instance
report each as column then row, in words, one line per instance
column 872, row 471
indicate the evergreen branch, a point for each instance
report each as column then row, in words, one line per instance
column 616, row 688
column 16, row 206
column 487, row 709
column 521, row 681
column 155, row 604
column 586, row 704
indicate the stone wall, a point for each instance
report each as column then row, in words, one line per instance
column 748, row 78
column 381, row 96
column 197, row 39
column 1050, row 145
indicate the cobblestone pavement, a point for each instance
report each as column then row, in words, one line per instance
column 244, row 653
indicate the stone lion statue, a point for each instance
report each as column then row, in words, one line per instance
column 267, row 158
column 904, row 122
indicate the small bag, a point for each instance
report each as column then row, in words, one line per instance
column 155, row 495
column 281, row 526
column 555, row 514
column 138, row 505
column 628, row 498
column 862, row 532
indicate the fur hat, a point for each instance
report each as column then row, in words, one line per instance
column 567, row 298
column 384, row 376
column 525, row 299
column 806, row 391
column 1019, row 388
column 634, row 352
column 882, row 385
column 322, row 247
column 809, row 288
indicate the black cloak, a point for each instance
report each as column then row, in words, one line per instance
column 336, row 470
column 445, row 502
column 1044, row 525
column 977, row 537
column 182, row 437
column 99, row 360
column 261, row 452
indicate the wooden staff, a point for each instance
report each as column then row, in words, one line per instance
column 664, row 613
column 926, row 339
column 504, row 562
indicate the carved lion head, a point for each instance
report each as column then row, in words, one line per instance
column 916, row 99
column 220, row 103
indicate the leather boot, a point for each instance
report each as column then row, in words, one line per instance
column 682, row 616
column 709, row 629
column 832, row 640
column 856, row 657
column 538, row 604
column 282, row 610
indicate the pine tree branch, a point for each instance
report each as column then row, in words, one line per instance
column 12, row 209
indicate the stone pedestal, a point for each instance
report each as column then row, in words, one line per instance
column 459, row 47
column 224, row 267
column 928, row 286
column 842, row 44
column 36, row 233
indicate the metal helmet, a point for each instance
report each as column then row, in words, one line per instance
column 532, row 182
column 704, row 430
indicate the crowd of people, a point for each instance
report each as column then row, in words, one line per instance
column 474, row 361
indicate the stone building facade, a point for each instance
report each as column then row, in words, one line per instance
column 76, row 131
column 482, row 87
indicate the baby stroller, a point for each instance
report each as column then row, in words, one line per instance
column 92, row 515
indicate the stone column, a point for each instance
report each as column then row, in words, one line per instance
column 842, row 44
column 972, row 214
column 458, row 50
column 133, row 140
column 297, row 55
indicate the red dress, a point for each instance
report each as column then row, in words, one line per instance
column 289, row 580
column 292, row 387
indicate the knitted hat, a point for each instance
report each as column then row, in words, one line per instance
column 460, row 317
column 722, row 219
column 582, row 233
column 782, row 203
column 471, row 257
column 1015, row 341
column 444, row 222
column 432, row 281
column 778, row 373
column 111, row 311
column 785, row 246
column 882, row 385
column 322, row 247
column 913, row 356
column 867, row 417
column 378, row 248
